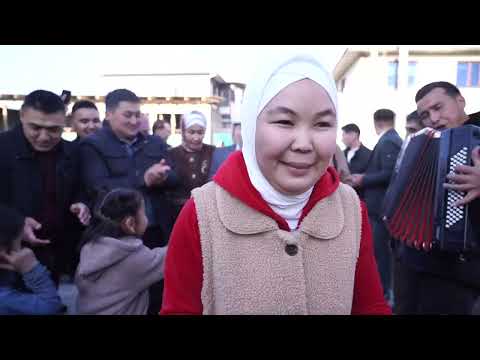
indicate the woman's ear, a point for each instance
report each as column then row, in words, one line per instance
column 129, row 225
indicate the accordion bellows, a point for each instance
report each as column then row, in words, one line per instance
column 418, row 210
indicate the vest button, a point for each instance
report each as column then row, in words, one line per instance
column 291, row 249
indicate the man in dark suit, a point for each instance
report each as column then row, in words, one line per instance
column 356, row 153
column 374, row 183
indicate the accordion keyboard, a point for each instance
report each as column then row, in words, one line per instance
column 455, row 214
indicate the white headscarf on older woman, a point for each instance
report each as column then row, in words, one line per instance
column 265, row 84
column 189, row 119
column 194, row 118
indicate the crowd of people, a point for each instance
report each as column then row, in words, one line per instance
column 281, row 222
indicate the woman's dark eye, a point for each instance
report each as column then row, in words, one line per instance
column 284, row 122
column 323, row 124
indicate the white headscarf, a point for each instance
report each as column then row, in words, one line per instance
column 264, row 86
column 194, row 118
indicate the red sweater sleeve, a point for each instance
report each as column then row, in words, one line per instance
column 368, row 293
column 183, row 266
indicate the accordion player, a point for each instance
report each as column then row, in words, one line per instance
column 417, row 209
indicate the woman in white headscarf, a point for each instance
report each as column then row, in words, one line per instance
column 276, row 232
column 192, row 158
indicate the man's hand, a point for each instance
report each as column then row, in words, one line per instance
column 467, row 179
column 157, row 173
column 21, row 261
column 82, row 212
column 356, row 179
column 28, row 232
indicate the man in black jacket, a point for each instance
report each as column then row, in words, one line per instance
column 119, row 155
column 374, row 183
column 356, row 153
column 40, row 181
column 440, row 282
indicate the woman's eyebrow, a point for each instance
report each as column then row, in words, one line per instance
column 282, row 110
column 328, row 112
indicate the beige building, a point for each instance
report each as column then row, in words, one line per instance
column 164, row 96
column 370, row 78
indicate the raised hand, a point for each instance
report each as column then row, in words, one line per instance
column 157, row 173
column 29, row 235
column 82, row 212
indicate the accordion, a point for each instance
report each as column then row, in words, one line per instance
column 417, row 209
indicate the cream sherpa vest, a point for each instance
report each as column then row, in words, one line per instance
column 250, row 266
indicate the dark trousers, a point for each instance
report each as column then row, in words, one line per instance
column 405, row 283
column 155, row 237
column 423, row 293
column 383, row 253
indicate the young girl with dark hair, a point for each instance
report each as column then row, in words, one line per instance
column 116, row 269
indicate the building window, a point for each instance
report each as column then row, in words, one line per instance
column 474, row 74
column 468, row 74
column 178, row 123
column 165, row 117
column 462, row 74
column 393, row 74
column 412, row 70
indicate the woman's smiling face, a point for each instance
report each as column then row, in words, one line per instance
column 296, row 137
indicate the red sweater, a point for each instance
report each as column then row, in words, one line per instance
column 184, row 268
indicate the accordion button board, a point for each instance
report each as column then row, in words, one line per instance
column 455, row 214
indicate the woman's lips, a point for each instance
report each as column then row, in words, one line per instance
column 297, row 168
column 298, row 165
